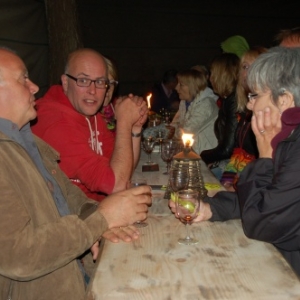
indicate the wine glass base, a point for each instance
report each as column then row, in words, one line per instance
column 189, row 241
column 140, row 224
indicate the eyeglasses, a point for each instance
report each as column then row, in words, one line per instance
column 113, row 82
column 252, row 96
column 100, row 83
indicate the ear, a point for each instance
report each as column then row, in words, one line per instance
column 286, row 101
column 64, row 81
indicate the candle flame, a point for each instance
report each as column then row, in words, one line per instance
column 148, row 100
column 188, row 140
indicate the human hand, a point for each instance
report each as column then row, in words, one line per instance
column 266, row 124
column 132, row 109
column 95, row 250
column 126, row 207
column 204, row 214
column 125, row 234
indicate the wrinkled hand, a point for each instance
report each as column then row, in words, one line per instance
column 126, row 207
column 125, row 234
column 95, row 250
column 203, row 215
column 265, row 125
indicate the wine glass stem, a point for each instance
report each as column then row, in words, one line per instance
column 187, row 227
column 149, row 158
column 168, row 166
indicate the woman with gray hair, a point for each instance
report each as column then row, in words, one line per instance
column 197, row 110
column 269, row 187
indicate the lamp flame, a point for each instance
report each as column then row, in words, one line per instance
column 188, row 140
column 148, row 100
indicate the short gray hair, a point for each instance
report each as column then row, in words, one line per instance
column 277, row 70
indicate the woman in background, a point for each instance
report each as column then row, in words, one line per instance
column 197, row 110
column 224, row 78
column 245, row 149
column 107, row 110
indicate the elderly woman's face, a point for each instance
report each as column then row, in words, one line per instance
column 183, row 91
column 258, row 101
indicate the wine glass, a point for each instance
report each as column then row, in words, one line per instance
column 148, row 145
column 135, row 182
column 168, row 150
column 179, row 179
column 187, row 208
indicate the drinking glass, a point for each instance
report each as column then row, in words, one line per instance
column 168, row 150
column 135, row 182
column 148, row 145
column 179, row 179
column 187, row 208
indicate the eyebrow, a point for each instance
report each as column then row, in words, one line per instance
column 86, row 75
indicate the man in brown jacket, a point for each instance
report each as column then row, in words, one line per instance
column 46, row 222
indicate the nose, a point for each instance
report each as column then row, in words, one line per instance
column 33, row 87
column 92, row 88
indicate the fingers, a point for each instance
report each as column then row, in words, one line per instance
column 125, row 234
column 95, row 250
column 172, row 206
column 142, row 189
column 266, row 121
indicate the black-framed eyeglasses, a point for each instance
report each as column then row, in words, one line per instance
column 252, row 96
column 100, row 83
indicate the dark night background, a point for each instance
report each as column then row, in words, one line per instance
column 147, row 37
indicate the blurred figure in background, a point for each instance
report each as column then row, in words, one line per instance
column 164, row 95
column 245, row 149
column 224, row 77
column 197, row 111
column 107, row 110
column 288, row 37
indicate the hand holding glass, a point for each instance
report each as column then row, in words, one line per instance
column 135, row 182
column 187, row 208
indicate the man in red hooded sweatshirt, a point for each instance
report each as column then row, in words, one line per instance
column 69, row 120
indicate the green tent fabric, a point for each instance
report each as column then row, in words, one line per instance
column 235, row 44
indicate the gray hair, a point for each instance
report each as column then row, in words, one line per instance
column 277, row 70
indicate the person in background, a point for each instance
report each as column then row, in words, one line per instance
column 224, row 78
column 245, row 149
column 235, row 44
column 197, row 111
column 69, row 120
column 164, row 95
column 107, row 110
column 288, row 37
column 204, row 70
column 46, row 222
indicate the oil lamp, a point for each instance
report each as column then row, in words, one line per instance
column 188, row 159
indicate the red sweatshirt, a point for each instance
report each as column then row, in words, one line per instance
column 85, row 144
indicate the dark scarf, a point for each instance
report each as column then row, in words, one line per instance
column 290, row 120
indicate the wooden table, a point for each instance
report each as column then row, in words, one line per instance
column 224, row 265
